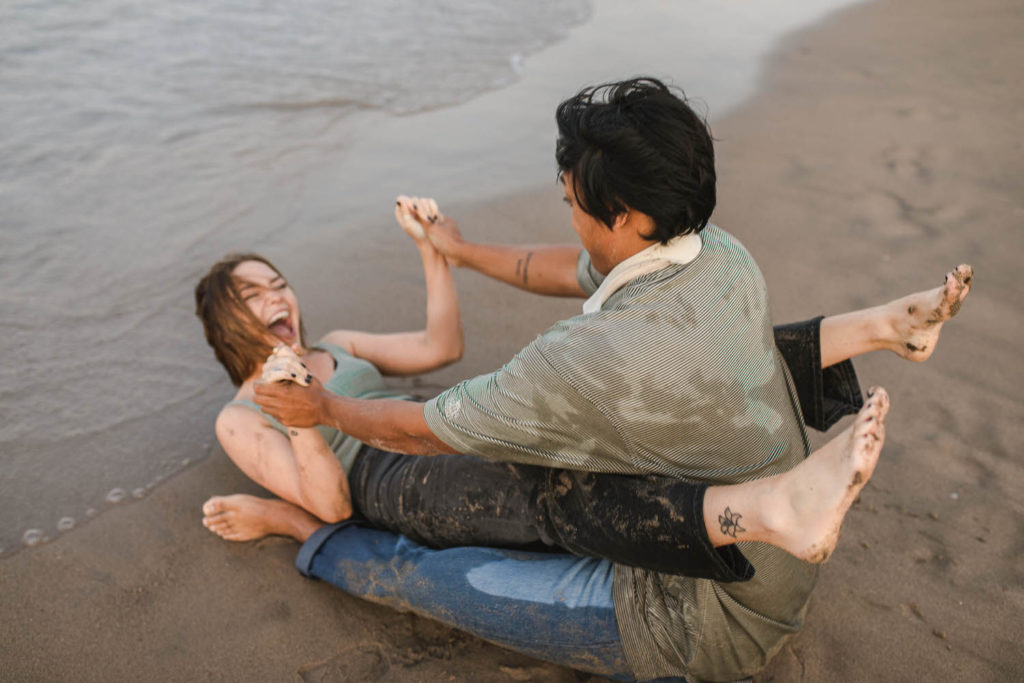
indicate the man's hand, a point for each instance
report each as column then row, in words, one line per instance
column 285, row 365
column 444, row 234
column 291, row 404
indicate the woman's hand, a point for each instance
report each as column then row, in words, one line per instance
column 284, row 365
column 414, row 213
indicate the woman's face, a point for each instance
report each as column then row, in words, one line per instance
column 270, row 299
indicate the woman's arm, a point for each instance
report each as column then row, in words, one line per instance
column 409, row 353
column 300, row 468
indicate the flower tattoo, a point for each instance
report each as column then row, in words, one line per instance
column 730, row 523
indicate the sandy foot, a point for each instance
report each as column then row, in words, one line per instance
column 244, row 518
column 917, row 319
column 821, row 489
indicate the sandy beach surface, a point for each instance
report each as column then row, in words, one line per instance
column 884, row 147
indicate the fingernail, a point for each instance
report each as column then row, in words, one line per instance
column 309, row 378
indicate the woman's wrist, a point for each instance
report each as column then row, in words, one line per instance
column 455, row 252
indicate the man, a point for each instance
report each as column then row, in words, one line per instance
column 672, row 369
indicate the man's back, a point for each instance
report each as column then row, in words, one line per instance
column 676, row 374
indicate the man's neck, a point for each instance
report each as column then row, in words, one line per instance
column 624, row 241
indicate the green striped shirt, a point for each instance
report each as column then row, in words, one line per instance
column 677, row 374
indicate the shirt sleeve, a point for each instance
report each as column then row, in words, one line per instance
column 526, row 413
column 586, row 275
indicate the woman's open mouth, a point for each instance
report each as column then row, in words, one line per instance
column 281, row 326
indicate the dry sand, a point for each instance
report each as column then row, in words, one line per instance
column 884, row 149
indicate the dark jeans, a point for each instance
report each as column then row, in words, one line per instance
column 650, row 521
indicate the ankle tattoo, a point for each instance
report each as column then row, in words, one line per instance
column 730, row 523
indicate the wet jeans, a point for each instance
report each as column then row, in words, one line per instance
column 553, row 606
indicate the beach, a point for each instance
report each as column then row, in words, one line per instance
column 881, row 148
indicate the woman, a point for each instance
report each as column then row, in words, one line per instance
column 321, row 475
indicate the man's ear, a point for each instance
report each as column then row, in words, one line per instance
column 621, row 220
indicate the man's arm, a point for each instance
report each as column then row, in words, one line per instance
column 392, row 425
column 541, row 269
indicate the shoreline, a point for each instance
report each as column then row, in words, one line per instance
column 323, row 206
column 867, row 133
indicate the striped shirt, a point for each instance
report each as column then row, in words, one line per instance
column 677, row 374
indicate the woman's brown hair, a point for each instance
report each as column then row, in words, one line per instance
column 238, row 339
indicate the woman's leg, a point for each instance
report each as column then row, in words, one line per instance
column 653, row 522
column 449, row 500
column 456, row 500
column 551, row 606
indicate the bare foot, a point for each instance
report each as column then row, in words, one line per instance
column 821, row 489
column 245, row 518
column 915, row 320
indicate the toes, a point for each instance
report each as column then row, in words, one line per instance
column 964, row 274
column 220, row 527
column 880, row 395
column 870, row 426
column 879, row 400
column 874, row 410
column 958, row 285
column 213, row 506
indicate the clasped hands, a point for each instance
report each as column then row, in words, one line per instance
column 288, row 391
column 420, row 218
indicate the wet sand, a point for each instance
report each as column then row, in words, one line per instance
column 884, row 149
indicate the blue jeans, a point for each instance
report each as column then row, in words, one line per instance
column 554, row 607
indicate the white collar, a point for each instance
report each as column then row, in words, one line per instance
column 679, row 250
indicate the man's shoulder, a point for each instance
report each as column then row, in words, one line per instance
column 687, row 309
column 722, row 252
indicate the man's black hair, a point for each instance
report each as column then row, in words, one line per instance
column 638, row 145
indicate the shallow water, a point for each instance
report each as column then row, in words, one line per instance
column 137, row 139
column 141, row 142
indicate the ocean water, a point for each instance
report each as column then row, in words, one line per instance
column 136, row 138
column 140, row 141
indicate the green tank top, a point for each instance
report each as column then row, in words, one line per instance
column 353, row 377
